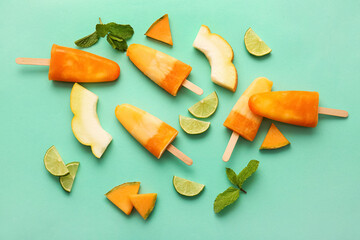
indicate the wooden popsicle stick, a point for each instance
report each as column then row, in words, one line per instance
column 192, row 87
column 333, row 112
column 230, row 147
column 33, row 61
column 180, row 155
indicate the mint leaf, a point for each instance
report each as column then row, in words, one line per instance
column 226, row 198
column 231, row 176
column 247, row 172
column 117, row 42
column 87, row 41
column 102, row 29
column 121, row 30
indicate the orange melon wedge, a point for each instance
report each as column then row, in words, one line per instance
column 274, row 139
column 160, row 30
column 144, row 203
column 119, row 195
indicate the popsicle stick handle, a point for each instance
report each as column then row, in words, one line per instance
column 192, row 87
column 333, row 112
column 180, row 155
column 230, row 147
column 33, row 61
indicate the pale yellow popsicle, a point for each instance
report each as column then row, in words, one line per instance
column 154, row 134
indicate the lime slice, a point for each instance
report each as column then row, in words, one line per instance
column 53, row 162
column 206, row 107
column 254, row 44
column 192, row 125
column 68, row 180
column 186, row 187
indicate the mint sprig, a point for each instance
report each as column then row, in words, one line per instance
column 116, row 35
column 231, row 194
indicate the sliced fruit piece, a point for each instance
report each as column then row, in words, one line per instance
column 54, row 163
column 206, row 107
column 85, row 124
column 254, row 44
column 192, row 125
column 67, row 181
column 220, row 55
column 119, row 195
column 160, row 30
column 186, row 187
column 274, row 139
column 144, row 203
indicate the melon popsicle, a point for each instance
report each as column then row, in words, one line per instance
column 166, row 71
column 241, row 120
column 293, row 107
column 74, row 65
column 155, row 135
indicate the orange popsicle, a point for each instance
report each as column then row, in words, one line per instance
column 74, row 65
column 155, row 135
column 241, row 120
column 293, row 107
column 166, row 71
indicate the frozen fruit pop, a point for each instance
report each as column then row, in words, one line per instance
column 294, row 107
column 155, row 135
column 166, row 71
column 74, row 65
column 241, row 120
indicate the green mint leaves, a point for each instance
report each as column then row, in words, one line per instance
column 226, row 198
column 117, row 42
column 247, row 172
column 232, row 194
column 88, row 41
column 231, row 176
column 116, row 35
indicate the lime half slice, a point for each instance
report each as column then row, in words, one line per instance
column 192, row 125
column 186, row 187
column 53, row 162
column 68, row 180
column 206, row 107
column 255, row 45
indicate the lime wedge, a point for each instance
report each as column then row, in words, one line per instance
column 68, row 180
column 53, row 162
column 206, row 107
column 186, row 187
column 192, row 125
column 254, row 44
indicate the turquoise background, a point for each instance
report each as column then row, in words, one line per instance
column 309, row 190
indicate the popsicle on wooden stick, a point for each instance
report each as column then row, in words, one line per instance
column 241, row 120
column 74, row 65
column 166, row 71
column 293, row 107
column 155, row 135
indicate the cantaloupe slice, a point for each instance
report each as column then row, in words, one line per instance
column 144, row 203
column 160, row 30
column 119, row 195
column 274, row 139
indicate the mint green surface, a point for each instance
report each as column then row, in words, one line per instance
column 309, row 190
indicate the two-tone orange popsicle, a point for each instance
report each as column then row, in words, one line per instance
column 155, row 135
column 74, row 65
column 241, row 120
column 294, row 107
column 166, row 71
